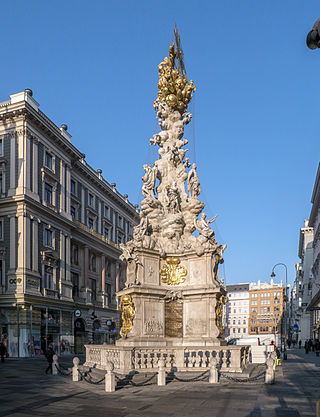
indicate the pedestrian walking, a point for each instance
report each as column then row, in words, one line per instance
column 49, row 355
column 306, row 347
column 289, row 343
column 317, row 347
column 300, row 343
column 3, row 351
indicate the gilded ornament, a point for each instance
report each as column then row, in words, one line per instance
column 173, row 85
column 172, row 272
column 219, row 313
column 128, row 314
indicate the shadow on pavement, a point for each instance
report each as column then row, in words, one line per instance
column 37, row 404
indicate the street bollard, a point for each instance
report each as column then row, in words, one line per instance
column 161, row 373
column 270, row 371
column 213, row 372
column 274, row 357
column 55, row 365
column 75, row 370
column 110, row 380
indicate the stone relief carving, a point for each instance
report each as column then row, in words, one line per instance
column 153, row 326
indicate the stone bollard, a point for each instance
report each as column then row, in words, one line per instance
column 110, row 380
column 274, row 357
column 55, row 365
column 75, row 372
column 161, row 373
column 270, row 372
column 213, row 372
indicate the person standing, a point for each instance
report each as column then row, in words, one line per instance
column 300, row 343
column 306, row 347
column 49, row 355
column 3, row 351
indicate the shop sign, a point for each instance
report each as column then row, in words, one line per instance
column 77, row 313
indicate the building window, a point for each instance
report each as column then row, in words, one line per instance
column 2, row 186
column 244, row 322
column 119, row 240
column 90, row 223
column 48, row 238
column 49, row 284
column 93, row 263
column 1, row 229
column 108, row 288
column 244, row 330
column 48, row 160
column 1, row 147
column 48, row 193
column 91, row 200
column 106, row 211
column 73, row 212
column 106, row 233
column 73, row 187
column 234, row 330
column 75, row 283
column 239, row 330
column 93, row 288
column 234, row 322
column 75, row 254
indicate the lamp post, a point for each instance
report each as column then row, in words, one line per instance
column 284, row 316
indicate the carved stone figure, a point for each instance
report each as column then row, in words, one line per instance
column 141, row 230
column 203, row 227
column 193, row 182
column 132, row 261
column 149, row 180
column 173, row 198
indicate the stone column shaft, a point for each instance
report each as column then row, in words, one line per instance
column 103, row 273
column 12, row 242
column 35, row 167
column 68, row 258
column 35, row 237
column 86, row 266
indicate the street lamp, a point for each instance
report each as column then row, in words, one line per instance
column 284, row 316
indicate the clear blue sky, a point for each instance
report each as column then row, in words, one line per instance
column 255, row 130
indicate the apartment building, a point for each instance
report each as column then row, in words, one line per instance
column 266, row 309
column 301, row 294
column 61, row 224
column 237, row 311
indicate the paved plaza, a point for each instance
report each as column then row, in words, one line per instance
column 25, row 390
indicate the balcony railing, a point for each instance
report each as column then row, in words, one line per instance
column 95, row 234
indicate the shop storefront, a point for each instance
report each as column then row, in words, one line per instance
column 29, row 330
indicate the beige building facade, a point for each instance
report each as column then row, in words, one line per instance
column 61, row 224
column 266, row 309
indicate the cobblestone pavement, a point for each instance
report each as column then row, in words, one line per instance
column 25, row 390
